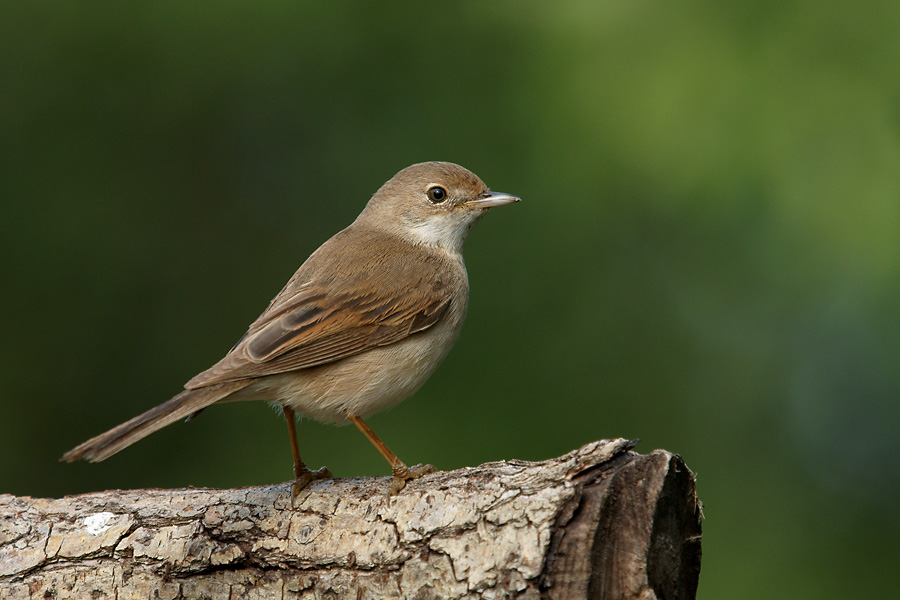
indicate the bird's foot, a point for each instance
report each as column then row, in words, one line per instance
column 304, row 478
column 403, row 474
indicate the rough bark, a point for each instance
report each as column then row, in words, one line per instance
column 599, row 522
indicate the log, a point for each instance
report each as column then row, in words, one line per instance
column 599, row 522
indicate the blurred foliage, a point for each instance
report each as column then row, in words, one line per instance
column 707, row 256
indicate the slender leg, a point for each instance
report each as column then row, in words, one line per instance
column 302, row 474
column 401, row 472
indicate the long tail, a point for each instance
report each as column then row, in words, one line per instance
column 181, row 406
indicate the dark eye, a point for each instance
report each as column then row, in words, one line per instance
column 437, row 194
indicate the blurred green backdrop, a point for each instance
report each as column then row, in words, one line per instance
column 707, row 256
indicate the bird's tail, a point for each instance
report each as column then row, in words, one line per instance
column 181, row 406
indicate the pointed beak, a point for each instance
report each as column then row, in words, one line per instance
column 489, row 199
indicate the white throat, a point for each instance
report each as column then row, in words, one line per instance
column 445, row 232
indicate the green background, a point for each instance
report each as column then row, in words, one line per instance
column 707, row 255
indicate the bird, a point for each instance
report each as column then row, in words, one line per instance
column 360, row 326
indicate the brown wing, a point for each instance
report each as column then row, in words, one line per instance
column 314, row 328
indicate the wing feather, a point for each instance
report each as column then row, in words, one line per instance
column 315, row 327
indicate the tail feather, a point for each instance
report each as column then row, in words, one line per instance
column 185, row 404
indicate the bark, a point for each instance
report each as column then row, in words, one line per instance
column 599, row 522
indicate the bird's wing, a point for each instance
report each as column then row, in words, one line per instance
column 318, row 326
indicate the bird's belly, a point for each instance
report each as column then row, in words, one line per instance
column 361, row 385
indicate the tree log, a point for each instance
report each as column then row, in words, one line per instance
column 599, row 522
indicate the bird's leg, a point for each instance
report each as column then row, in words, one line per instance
column 302, row 474
column 401, row 472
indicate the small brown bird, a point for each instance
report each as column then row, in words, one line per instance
column 359, row 327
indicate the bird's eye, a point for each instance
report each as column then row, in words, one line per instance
column 437, row 194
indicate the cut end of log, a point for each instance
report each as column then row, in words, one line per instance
column 634, row 532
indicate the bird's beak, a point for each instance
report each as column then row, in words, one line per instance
column 489, row 199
